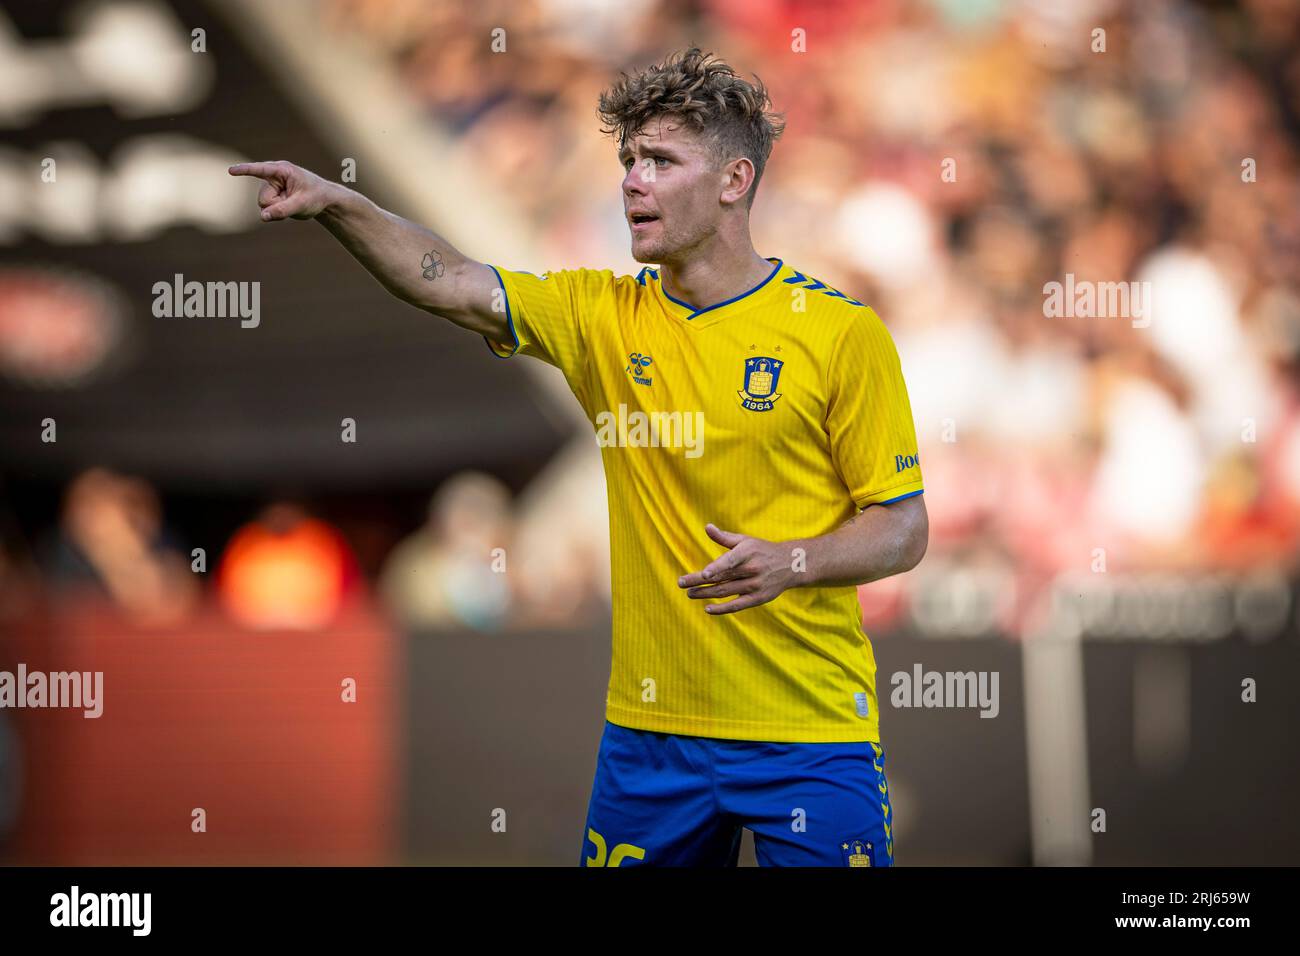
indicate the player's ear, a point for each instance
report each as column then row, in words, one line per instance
column 737, row 178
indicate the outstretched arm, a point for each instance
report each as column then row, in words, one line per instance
column 413, row 263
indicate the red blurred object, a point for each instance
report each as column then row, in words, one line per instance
column 56, row 326
column 250, row 727
column 286, row 571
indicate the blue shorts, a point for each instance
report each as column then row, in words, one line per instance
column 673, row 800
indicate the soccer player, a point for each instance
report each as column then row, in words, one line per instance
column 761, row 462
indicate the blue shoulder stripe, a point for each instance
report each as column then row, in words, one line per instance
column 817, row 285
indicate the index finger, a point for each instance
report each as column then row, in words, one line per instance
column 260, row 170
column 714, row 571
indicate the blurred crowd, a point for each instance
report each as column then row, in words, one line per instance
column 945, row 161
column 474, row 564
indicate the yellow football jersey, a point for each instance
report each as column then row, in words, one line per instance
column 776, row 414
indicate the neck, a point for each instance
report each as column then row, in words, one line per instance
column 714, row 272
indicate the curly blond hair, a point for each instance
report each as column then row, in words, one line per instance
column 731, row 114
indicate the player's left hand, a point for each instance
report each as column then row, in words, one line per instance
column 752, row 568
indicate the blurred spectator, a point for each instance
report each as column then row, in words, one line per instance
column 111, row 541
column 455, row 570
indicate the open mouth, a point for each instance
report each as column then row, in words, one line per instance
column 641, row 218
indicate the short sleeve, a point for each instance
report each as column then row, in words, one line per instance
column 869, row 416
column 547, row 316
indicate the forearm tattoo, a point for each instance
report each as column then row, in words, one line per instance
column 432, row 265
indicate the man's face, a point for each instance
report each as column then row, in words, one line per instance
column 671, row 185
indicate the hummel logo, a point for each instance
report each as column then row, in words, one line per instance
column 638, row 363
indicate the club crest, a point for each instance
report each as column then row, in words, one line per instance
column 857, row 852
column 761, row 376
